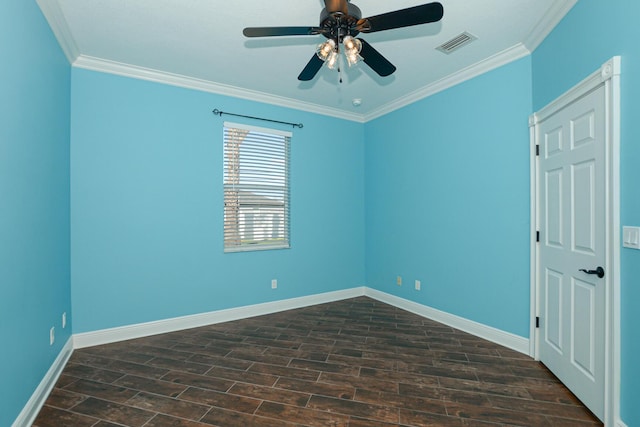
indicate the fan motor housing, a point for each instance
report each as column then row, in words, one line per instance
column 339, row 25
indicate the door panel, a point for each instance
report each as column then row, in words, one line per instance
column 583, row 129
column 553, row 217
column 583, row 208
column 553, row 312
column 572, row 228
column 553, row 142
column 583, row 344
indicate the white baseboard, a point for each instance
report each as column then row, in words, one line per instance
column 506, row 339
column 39, row 396
column 106, row 336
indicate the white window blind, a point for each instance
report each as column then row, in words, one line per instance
column 256, row 188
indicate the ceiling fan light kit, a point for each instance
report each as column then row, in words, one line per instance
column 341, row 22
column 352, row 49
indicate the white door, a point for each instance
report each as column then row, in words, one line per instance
column 572, row 185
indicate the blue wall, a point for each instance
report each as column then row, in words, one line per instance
column 147, row 205
column 589, row 35
column 447, row 194
column 34, row 195
column 413, row 193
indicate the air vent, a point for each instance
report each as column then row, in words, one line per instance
column 456, row 43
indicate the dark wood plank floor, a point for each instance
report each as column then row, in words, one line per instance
column 352, row 363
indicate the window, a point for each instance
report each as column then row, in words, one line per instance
column 256, row 188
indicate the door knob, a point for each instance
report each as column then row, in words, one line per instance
column 598, row 271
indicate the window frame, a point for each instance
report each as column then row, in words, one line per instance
column 256, row 184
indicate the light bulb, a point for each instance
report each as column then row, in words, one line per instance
column 353, row 59
column 332, row 60
column 325, row 49
column 352, row 46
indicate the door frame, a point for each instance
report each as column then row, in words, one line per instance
column 608, row 76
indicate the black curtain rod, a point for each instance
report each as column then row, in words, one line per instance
column 220, row 113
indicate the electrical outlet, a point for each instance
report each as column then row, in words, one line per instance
column 274, row 284
column 64, row 320
column 631, row 237
column 417, row 285
column 52, row 335
column 399, row 280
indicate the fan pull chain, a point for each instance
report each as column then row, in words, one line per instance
column 339, row 61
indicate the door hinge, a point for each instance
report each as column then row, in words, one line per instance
column 537, row 149
column 537, row 236
column 537, row 321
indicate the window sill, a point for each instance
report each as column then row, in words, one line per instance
column 253, row 248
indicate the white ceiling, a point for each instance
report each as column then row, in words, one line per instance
column 199, row 43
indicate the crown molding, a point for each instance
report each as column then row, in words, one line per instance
column 54, row 16
column 554, row 15
column 502, row 58
column 142, row 73
column 60, row 28
column 127, row 70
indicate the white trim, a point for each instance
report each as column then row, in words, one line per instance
column 552, row 18
column 30, row 411
column 611, row 71
column 609, row 76
column 534, row 255
column 620, row 423
column 607, row 71
column 498, row 60
column 126, row 70
column 489, row 333
column 54, row 16
column 106, row 336
column 142, row 73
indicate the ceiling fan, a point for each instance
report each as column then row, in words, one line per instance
column 340, row 22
